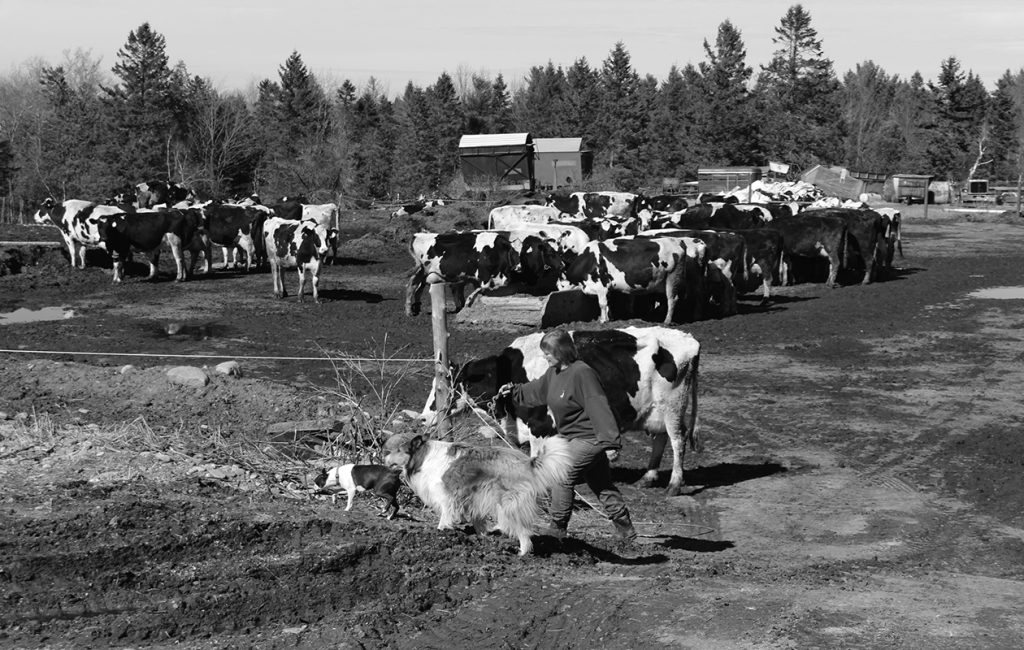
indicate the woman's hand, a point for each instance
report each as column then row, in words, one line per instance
column 612, row 454
column 506, row 390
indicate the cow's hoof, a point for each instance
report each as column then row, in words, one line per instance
column 645, row 482
column 674, row 490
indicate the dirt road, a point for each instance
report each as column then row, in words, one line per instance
column 861, row 486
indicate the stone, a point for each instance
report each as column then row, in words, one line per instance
column 229, row 368
column 188, row 376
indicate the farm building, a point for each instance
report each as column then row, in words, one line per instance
column 910, row 188
column 718, row 180
column 497, row 161
column 560, row 161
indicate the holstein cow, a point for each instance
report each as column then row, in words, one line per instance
column 506, row 217
column 649, row 374
column 235, row 227
column 569, row 240
column 864, row 235
column 594, row 204
column 413, row 208
column 727, row 263
column 765, row 258
column 301, row 245
column 153, row 193
column 483, row 259
column 813, row 237
column 892, row 226
column 77, row 221
column 674, row 267
column 143, row 231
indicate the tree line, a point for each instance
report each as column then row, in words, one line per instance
column 73, row 131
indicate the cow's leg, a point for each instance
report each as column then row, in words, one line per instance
column 153, row 257
column 81, row 255
column 468, row 302
column 179, row 264
column 650, row 477
column 224, row 253
column 671, row 298
column 302, row 280
column 766, row 289
column 72, row 249
column 314, row 279
column 275, row 274
column 602, row 302
column 118, row 268
column 414, row 290
column 246, row 244
column 675, row 432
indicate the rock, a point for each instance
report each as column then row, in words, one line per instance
column 188, row 376
column 229, row 368
column 126, row 369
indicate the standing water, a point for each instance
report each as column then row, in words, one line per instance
column 33, row 316
column 999, row 293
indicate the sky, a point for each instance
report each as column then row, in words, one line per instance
column 237, row 43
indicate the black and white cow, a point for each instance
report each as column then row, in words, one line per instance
column 662, row 203
column 594, row 204
column 301, row 245
column 235, row 227
column 77, row 221
column 485, row 260
column 865, row 238
column 650, row 375
column 727, row 263
column 892, row 226
column 765, row 258
column 418, row 206
column 144, row 231
column 151, row 193
column 674, row 267
column 507, row 217
column 813, row 237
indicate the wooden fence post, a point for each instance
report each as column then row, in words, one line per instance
column 439, row 321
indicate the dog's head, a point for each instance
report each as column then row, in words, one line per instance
column 321, row 479
column 327, row 481
column 401, row 448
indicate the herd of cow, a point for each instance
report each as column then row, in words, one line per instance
column 288, row 234
column 599, row 242
column 699, row 257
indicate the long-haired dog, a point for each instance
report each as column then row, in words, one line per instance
column 351, row 478
column 465, row 483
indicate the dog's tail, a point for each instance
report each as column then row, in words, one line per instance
column 551, row 464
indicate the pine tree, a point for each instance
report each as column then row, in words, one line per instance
column 410, row 165
column 501, row 107
column 727, row 129
column 142, row 108
column 958, row 134
column 620, row 120
column 867, row 98
column 1004, row 120
column 372, row 134
column 912, row 122
column 581, row 103
column 445, row 125
column 539, row 108
column 800, row 96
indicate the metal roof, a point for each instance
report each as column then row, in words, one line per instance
column 557, row 145
column 493, row 140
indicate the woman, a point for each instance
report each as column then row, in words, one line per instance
column 573, row 392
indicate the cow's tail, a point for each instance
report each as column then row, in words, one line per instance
column 259, row 243
column 690, row 387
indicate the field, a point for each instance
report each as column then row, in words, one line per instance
column 861, row 484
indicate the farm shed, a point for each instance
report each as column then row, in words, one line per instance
column 719, row 180
column 497, row 161
column 560, row 161
column 908, row 188
column 835, row 181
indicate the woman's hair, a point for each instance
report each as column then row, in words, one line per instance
column 559, row 344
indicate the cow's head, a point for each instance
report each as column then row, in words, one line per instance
column 42, row 215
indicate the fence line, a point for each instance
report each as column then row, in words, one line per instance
column 213, row 356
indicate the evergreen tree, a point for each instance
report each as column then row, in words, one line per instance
column 867, row 98
column 477, row 105
column 501, row 107
column 410, row 162
column 726, row 127
column 958, row 134
column 445, row 125
column 142, row 108
column 912, row 123
column 539, row 109
column 582, row 98
column 800, row 96
column 1004, row 120
column 620, row 121
column 372, row 134
column 7, row 168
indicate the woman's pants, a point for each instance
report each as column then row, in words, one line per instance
column 590, row 465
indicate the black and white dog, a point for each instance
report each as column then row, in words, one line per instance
column 354, row 478
column 464, row 483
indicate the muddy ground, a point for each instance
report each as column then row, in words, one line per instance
column 861, row 484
